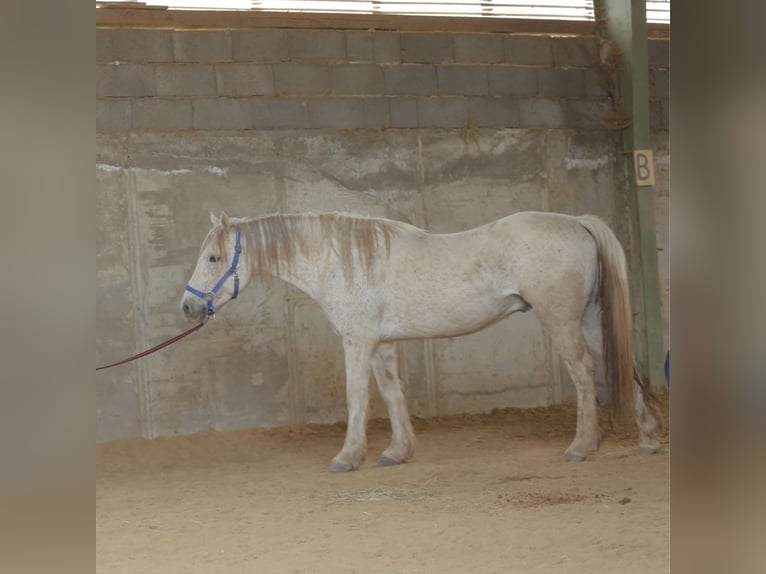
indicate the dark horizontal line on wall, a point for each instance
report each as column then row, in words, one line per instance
column 115, row 17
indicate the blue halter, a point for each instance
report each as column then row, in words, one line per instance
column 232, row 270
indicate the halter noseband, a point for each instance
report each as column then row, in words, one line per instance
column 232, row 270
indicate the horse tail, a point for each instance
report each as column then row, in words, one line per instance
column 616, row 324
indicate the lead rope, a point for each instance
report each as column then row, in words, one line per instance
column 155, row 348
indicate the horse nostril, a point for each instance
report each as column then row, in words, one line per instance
column 187, row 309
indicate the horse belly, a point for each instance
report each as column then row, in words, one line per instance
column 448, row 314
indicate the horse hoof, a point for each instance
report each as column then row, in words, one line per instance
column 337, row 467
column 647, row 449
column 573, row 457
column 386, row 461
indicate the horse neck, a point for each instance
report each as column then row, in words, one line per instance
column 286, row 247
column 302, row 249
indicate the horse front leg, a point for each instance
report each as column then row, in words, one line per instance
column 358, row 355
column 385, row 367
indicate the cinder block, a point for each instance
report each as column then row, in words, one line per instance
column 538, row 112
column 359, row 46
column 462, row 80
column 112, row 114
column 338, row 113
column 561, row 82
column 356, row 79
column 202, row 46
column 586, row 113
column 659, row 54
column 439, row 112
column 222, row 114
column 659, row 84
column 313, row 45
column 279, row 113
column 142, row 45
column 185, row 80
column 103, row 45
column 493, row 111
column 161, row 114
column 260, row 45
column 125, row 80
column 411, row 79
column 575, row 51
column 655, row 115
column 427, row 47
column 512, row 81
column 376, row 112
column 479, row 48
column 597, row 82
column 659, row 117
column 528, row 50
column 404, row 112
column 244, row 79
column 387, row 47
column 301, row 79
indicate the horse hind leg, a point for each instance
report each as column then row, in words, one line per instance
column 385, row 367
column 647, row 417
column 569, row 341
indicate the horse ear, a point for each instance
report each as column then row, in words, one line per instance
column 214, row 219
column 224, row 221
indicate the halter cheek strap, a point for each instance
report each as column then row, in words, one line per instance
column 232, row 270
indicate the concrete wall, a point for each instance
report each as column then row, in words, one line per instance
column 443, row 130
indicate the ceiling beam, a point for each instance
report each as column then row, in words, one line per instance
column 117, row 16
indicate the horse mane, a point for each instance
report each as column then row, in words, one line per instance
column 272, row 242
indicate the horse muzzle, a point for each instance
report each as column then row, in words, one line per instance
column 194, row 308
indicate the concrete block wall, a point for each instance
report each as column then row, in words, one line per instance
column 444, row 130
column 170, row 80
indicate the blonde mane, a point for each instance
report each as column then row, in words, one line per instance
column 271, row 243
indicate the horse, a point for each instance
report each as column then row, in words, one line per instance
column 380, row 281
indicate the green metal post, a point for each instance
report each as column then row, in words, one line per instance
column 624, row 23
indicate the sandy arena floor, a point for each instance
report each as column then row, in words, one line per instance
column 483, row 494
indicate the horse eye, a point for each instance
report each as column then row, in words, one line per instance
column 213, row 259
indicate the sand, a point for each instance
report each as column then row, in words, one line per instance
column 485, row 493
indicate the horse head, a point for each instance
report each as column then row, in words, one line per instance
column 218, row 276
